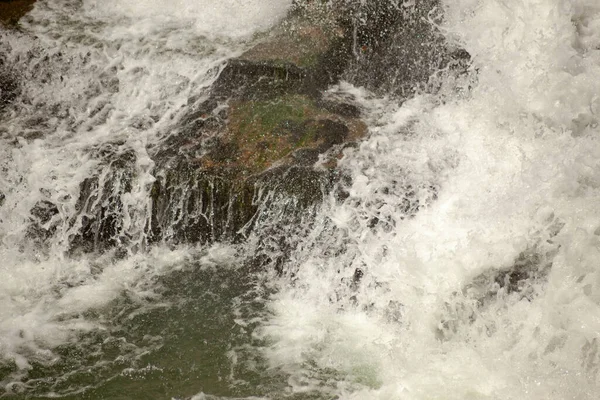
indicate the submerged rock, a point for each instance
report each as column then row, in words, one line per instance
column 494, row 289
column 9, row 86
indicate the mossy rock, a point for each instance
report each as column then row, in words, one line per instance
column 262, row 127
column 207, row 187
column 264, row 133
column 305, row 53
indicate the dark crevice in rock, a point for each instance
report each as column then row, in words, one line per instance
column 12, row 10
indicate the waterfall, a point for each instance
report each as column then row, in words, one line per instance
column 441, row 240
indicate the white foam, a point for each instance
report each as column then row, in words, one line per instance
column 43, row 302
column 229, row 18
column 515, row 161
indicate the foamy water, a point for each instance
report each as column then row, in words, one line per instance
column 101, row 82
column 383, row 298
column 506, row 165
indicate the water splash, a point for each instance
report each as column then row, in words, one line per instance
column 99, row 84
column 403, row 290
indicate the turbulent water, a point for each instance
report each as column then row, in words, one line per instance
column 400, row 291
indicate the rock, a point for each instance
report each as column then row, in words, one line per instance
column 41, row 227
column 253, row 80
column 398, row 48
column 263, row 127
column 12, row 10
column 304, row 54
column 529, row 270
column 302, row 39
column 192, row 204
column 266, row 133
column 209, row 171
column 43, row 211
column 265, row 124
column 100, row 213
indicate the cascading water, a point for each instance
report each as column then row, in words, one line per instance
column 460, row 263
column 464, row 263
column 100, row 84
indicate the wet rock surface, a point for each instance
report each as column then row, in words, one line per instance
column 263, row 127
column 42, row 226
column 101, row 220
column 266, row 124
column 192, row 204
column 398, row 47
column 12, row 10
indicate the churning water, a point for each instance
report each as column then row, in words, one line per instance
column 400, row 291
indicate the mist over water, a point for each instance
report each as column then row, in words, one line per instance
column 391, row 293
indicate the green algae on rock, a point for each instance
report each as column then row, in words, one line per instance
column 267, row 132
column 262, row 128
column 207, row 189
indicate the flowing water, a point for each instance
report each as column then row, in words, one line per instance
column 398, row 291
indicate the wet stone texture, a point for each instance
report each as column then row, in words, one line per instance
column 101, row 217
column 495, row 287
column 12, row 10
column 267, row 124
column 264, row 121
column 9, row 84
column 398, row 48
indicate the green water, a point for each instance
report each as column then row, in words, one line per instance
column 182, row 342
